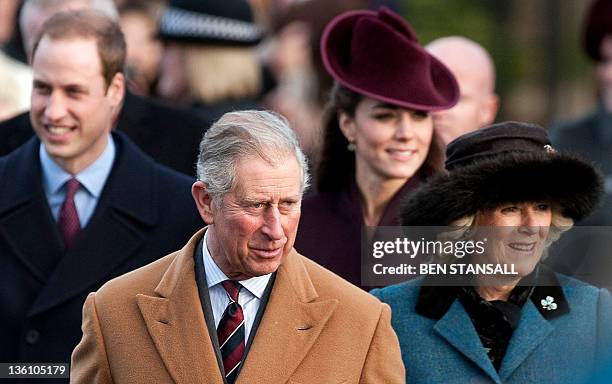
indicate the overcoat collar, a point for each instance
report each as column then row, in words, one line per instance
column 127, row 208
column 292, row 322
column 455, row 326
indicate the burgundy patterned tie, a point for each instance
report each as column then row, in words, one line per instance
column 231, row 332
column 68, row 222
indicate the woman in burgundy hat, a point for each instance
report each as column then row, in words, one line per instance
column 378, row 133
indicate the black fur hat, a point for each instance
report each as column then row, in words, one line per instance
column 508, row 162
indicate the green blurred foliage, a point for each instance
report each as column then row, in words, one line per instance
column 540, row 44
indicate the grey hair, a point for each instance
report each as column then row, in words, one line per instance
column 242, row 134
column 463, row 227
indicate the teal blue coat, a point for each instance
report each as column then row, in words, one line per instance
column 440, row 345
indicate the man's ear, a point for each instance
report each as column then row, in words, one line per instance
column 116, row 91
column 489, row 110
column 203, row 201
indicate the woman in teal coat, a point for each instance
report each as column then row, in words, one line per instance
column 534, row 326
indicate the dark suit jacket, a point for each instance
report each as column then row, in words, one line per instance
column 170, row 136
column 144, row 212
column 208, row 312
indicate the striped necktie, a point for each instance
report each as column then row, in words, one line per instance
column 231, row 332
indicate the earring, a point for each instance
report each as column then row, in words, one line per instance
column 351, row 146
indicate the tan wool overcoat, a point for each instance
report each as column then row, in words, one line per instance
column 148, row 327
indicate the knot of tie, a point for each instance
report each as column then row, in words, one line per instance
column 232, row 288
column 72, row 186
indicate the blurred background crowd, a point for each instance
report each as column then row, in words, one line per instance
column 542, row 74
column 190, row 61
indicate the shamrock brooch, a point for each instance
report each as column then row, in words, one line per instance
column 549, row 303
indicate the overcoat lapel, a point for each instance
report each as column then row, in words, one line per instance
column 456, row 327
column 293, row 320
column 176, row 323
column 532, row 330
column 41, row 247
column 291, row 324
column 125, row 211
column 22, row 205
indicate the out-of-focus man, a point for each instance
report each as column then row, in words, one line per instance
column 475, row 72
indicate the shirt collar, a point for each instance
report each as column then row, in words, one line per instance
column 91, row 178
column 214, row 274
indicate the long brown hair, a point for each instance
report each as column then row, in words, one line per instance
column 336, row 167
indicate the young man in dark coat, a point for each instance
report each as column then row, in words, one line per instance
column 79, row 204
column 167, row 134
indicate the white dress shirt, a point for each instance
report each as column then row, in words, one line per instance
column 249, row 297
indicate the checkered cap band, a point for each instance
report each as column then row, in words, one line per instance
column 181, row 23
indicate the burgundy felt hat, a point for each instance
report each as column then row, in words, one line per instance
column 598, row 24
column 378, row 55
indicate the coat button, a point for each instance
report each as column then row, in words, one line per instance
column 32, row 336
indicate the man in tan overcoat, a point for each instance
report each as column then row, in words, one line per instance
column 237, row 304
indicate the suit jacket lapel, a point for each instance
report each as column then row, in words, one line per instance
column 208, row 312
column 262, row 309
column 202, row 283
column 456, row 327
column 176, row 322
column 127, row 207
column 291, row 324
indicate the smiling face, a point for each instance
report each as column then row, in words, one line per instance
column 391, row 142
column 255, row 226
column 517, row 234
column 72, row 107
